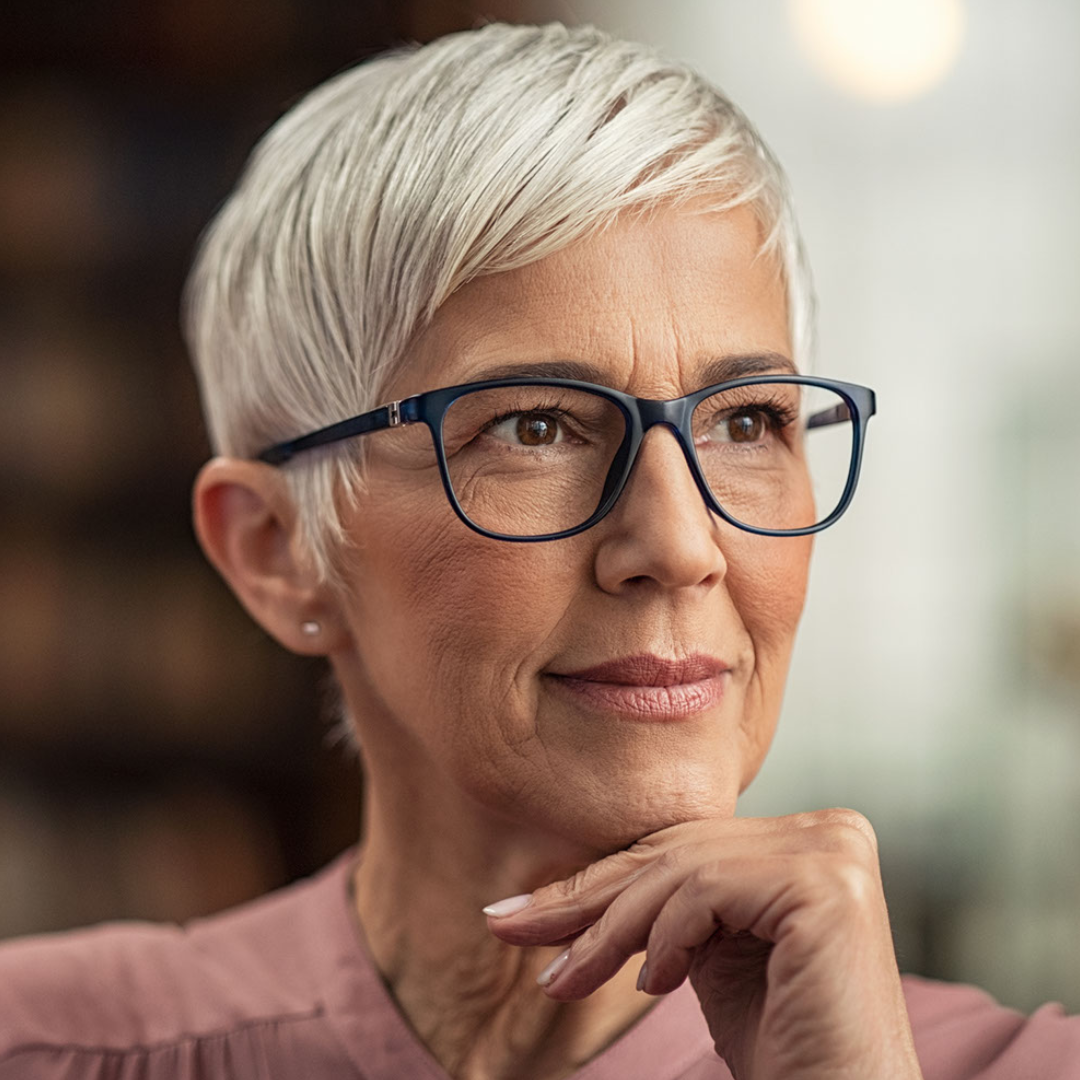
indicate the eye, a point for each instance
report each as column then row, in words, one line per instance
column 744, row 426
column 529, row 429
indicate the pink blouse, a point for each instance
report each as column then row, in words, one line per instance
column 283, row 988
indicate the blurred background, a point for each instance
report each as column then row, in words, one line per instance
column 160, row 757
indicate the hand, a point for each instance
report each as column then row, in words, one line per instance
column 780, row 924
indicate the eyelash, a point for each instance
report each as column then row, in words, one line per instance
column 780, row 416
column 558, row 413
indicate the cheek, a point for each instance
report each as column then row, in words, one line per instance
column 767, row 577
column 428, row 601
column 768, row 588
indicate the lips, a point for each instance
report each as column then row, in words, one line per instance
column 646, row 688
column 646, row 669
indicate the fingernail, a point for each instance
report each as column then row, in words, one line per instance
column 510, row 906
column 643, row 976
column 547, row 976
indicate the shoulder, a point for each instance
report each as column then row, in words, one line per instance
column 133, row 986
column 961, row 1031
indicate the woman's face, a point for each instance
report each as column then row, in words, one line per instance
column 458, row 640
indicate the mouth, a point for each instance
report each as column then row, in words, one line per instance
column 647, row 687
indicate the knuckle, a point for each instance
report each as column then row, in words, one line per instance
column 594, row 881
column 612, row 931
column 838, row 883
column 607, row 943
column 704, row 880
column 670, row 861
column 852, row 882
column 846, row 818
column 560, row 894
column 846, row 832
column 856, row 828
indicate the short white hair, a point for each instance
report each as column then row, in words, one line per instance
column 394, row 183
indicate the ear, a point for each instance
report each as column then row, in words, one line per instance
column 246, row 524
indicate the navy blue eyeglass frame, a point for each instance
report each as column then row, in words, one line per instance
column 640, row 415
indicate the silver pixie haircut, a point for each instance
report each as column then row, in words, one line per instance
column 394, row 183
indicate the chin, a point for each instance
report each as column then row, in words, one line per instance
column 623, row 813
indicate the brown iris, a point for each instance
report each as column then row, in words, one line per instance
column 535, row 429
column 746, row 427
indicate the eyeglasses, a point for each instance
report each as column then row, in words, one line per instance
column 528, row 459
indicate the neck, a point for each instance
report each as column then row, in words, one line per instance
column 429, row 864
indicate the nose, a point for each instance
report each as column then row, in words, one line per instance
column 660, row 530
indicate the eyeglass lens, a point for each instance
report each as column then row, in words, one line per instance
column 532, row 460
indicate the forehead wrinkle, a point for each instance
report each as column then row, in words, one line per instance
column 560, row 308
column 657, row 341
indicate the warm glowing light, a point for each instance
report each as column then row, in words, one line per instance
column 884, row 50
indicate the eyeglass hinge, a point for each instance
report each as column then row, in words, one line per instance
column 394, row 408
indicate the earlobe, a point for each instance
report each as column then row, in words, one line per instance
column 245, row 522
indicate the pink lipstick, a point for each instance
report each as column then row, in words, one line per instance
column 648, row 687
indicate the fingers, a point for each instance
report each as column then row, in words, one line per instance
column 670, row 912
column 730, row 900
column 623, row 930
column 561, row 911
column 672, row 892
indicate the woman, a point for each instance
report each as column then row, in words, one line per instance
column 499, row 343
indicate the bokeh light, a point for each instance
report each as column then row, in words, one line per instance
column 881, row 50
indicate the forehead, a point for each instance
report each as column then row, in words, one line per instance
column 649, row 303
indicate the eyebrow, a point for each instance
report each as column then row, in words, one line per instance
column 714, row 371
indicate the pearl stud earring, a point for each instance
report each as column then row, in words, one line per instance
column 311, row 628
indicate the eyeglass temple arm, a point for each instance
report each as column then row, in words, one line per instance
column 386, row 417
column 838, row 414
